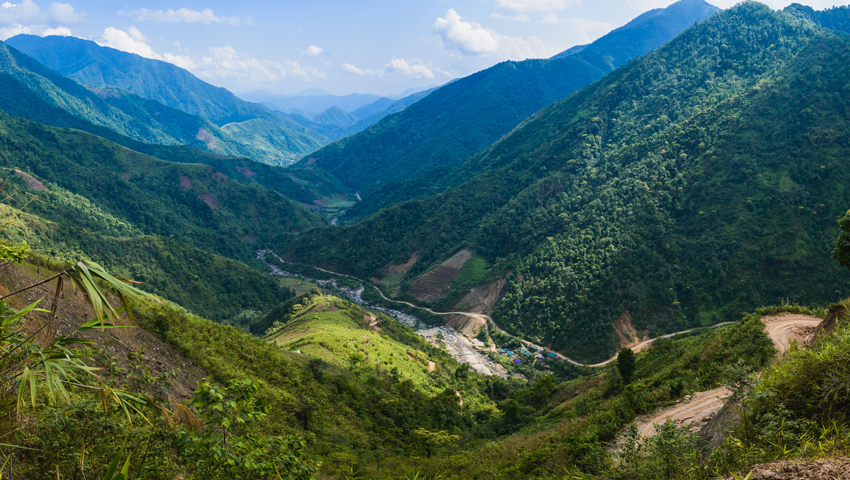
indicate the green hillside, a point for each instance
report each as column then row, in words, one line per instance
column 665, row 190
column 88, row 63
column 150, row 219
column 461, row 118
column 143, row 120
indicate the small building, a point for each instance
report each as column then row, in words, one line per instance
column 552, row 355
column 518, row 360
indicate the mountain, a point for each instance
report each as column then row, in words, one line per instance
column 335, row 116
column 662, row 194
column 88, row 63
column 377, row 106
column 465, row 116
column 165, row 223
column 836, row 19
column 313, row 104
column 307, row 186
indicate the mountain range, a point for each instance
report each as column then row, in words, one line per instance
column 662, row 193
column 462, row 118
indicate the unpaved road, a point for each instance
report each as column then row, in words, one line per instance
column 782, row 329
column 489, row 321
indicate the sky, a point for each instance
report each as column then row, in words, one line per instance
column 341, row 46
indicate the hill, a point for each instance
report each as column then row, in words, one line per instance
column 459, row 119
column 659, row 194
column 156, row 220
column 90, row 64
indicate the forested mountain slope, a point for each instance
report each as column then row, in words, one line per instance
column 145, row 216
column 91, row 64
column 465, row 116
column 128, row 114
column 688, row 186
column 304, row 185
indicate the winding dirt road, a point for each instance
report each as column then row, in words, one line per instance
column 783, row 329
column 489, row 321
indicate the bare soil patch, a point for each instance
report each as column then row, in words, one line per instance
column 246, row 171
column 158, row 356
column 218, row 175
column 310, row 161
column 185, row 183
column 125, row 175
column 837, row 468
column 32, row 182
column 209, row 199
column 204, row 136
column 624, row 331
column 404, row 267
column 786, row 328
column 695, row 412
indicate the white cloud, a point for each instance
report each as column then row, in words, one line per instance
column 467, row 37
column 414, row 69
column 516, row 18
column 472, row 39
column 359, row 71
column 19, row 13
column 182, row 61
column 65, row 14
column 535, row 5
column 186, row 15
column 131, row 41
column 314, row 51
column 12, row 30
column 226, row 63
column 58, row 31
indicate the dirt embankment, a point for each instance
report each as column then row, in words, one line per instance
column 837, row 468
column 624, row 331
column 74, row 310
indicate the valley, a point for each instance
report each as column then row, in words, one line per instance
column 398, row 241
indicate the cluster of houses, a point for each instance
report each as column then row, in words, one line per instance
column 523, row 354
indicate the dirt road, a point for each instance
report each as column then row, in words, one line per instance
column 694, row 412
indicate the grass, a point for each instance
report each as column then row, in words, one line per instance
column 298, row 285
column 338, row 333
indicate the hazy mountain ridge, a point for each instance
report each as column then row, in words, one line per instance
column 90, row 64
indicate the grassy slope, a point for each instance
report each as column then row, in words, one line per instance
column 670, row 203
column 328, row 329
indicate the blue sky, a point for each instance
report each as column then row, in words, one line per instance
column 371, row 46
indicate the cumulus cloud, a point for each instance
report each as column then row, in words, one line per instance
column 362, row 72
column 516, row 18
column 227, row 63
column 65, row 14
column 12, row 30
column 472, row 39
column 414, row 69
column 186, row 15
column 535, row 5
column 19, row 13
column 58, row 31
column 131, row 41
column 314, row 51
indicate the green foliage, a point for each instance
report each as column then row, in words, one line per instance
column 842, row 245
column 626, row 364
column 667, row 188
column 229, row 444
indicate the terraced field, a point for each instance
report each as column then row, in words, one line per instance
column 437, row 283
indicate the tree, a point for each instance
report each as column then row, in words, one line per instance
column 434, row 440
column 626, row 364
column 842, row 245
